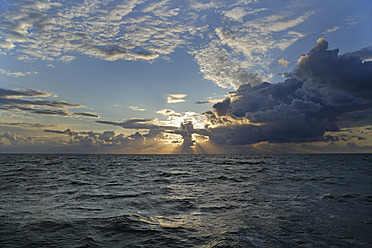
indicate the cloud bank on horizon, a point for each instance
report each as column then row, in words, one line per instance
column 326, row 99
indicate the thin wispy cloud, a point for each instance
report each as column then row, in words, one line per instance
column 27, row 125
column 16, row 74
column 134, row 123
column 13, row 100
column 331, row 30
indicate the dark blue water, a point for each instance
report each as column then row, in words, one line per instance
column 185, row 201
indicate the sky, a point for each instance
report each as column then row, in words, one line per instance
column 185, row 76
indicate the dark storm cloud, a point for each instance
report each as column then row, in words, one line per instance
column 323, row 91
column 363, row 54
column 345, row 74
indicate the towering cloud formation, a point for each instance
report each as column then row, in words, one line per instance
column 324, row 93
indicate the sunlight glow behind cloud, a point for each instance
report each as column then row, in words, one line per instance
column 113, row 62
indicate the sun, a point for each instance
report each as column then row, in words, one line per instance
column 197, row 120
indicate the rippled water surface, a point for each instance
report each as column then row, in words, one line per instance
column 185, row 201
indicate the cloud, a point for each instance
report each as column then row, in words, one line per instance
column 210, row 100
column 364, row 54
column 323, row 90
column 136, row 108
column 54, row 104
column 331, row 30
column 73, row 141
column 50, row 112
column 5, row 93
column 15, row 74
column 229, row 52
column 344, row 76
column 283, row 62
column 198, row 6
column 175, row 119
column 134, row 123
column 280, row 22
column 13, row 100
column 109, row 30
column 9, row 139
column 168, row 112
column 176, row 98
column 218, row 66
column 109, row 141
column 239, row 54
column 179, row 129
column 6, row 44
column 325, row 94
column 67, row 131
column 93, row 115
column 236, row 14
column 27, row 125
column 186, row 130
column 67, row 58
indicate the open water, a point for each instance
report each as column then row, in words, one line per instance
column 185, row 200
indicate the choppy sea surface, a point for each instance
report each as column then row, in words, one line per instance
column 185, row 200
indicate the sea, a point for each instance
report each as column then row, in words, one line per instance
column 74, row 200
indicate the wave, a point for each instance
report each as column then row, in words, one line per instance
column 185, row 201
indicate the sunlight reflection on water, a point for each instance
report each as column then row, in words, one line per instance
column 186, row 201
